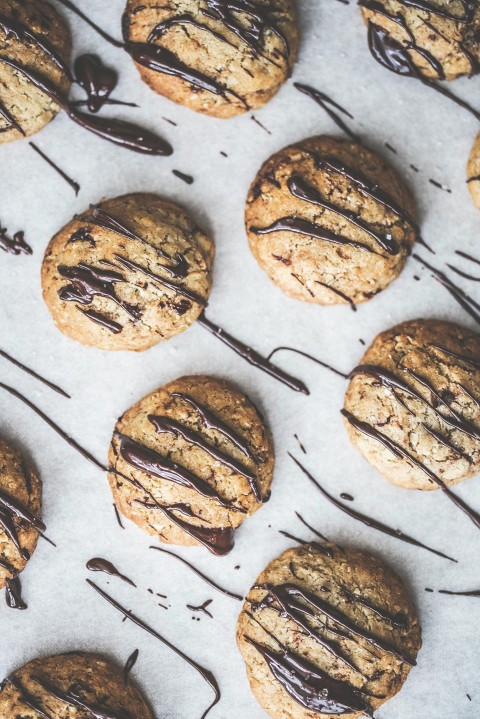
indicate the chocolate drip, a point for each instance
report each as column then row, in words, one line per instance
column 98, row 564
column 171, row 426
column 465, row 301
column 100, row 319
column 252, row 356
column 130, row 663
column 15, row 245
column 13, row 506
column 325, row 101
column 96, row 79
column 117, row 516
column 69, row 440
column 201, row 608
column 13, row 594
column 401, row 453
column 206, row 579
column 204, row 673
column 305, row 543
column 345, row 297
column 27, row 698
column 32, row 373
column 73, row 698
column 11, row 120
column 9, row 528
column 160, row 29
column 301, row 189
column 129, row 264
column 308, row 685
column 368, row 521
column 310, row 357
column 463, row 358
column 9, row 567
column 188, row 179
column 74, row 185
column 473, row 593
column 154, row 464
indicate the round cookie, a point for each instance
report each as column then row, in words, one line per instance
column 127, row 273
column 33, row 35
column 327, row 631
column 473, row 172
column 75, row 684
column 20, row 506
column 218, row 57
column 191, row 461
column 330, row 221
column 412, row 407
column 441, row 38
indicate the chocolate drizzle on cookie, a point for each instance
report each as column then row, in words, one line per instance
column 74, row 696
column 129, row 664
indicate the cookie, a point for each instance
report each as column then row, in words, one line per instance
column 75, row 684
column 33, row 35
column 20, row 506
column 473, row 172
column 127, row 273
column 327, row 631
column 412, row 407
column 217, row 57
column 439, row 38
column 330, row 221
column 191, row 461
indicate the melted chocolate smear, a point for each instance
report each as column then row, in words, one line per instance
column 69, row 440
column 300, row 444
column 74, row 698
column 32, row 373
column 188, row 179
column 15, row 245
column 74, row 185
column 368, row 521
column 201, row 608
column 206, row 579
column 327, row 103
column 117, row 516
column 473, row 593
column 252, row 356
column 13, row 594
column 464, row 300
column 96, row 79
column 204, row 673
column 308, row 356
column 257, row 122
column 440, row 186
column 130, row 663
column 98, row 564
column 308, row 685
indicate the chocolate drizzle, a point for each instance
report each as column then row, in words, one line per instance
column 310, row 357
column 130, row 663
column 204, row 673
column 462, row 298
column 13, row 594
column 368, row 521
column 96, row 79
column 325, row 102
column 201, row 608
column 15, row 245
column 32, row 373
column 98, row 564
column 74, row 185
column 73, row 697
column 473, row 593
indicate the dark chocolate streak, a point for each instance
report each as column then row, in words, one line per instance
column 325, row 101
column 15, row 245
column 201, row 608
column 401, row 453
column 32, row 373
column 310, row 229
column 368, row 521
column 130, row 265
column 206, row 579
column 13, row 594
column 204, row 673
column 252, row 356
column 11, row 120
column 98, row 564
column 96, row 79
column 100, row 319
column 74, row 185
column 98, row 711
column 27, row 698
column 473, row 593
column 117, row 516
column 463, row 358
column 310, row 357
column 130, row 663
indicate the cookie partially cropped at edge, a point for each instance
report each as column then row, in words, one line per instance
column 440, row 37
column 76, row 684
column 35, row 36
column 128, row 273
column 20, row 507
column 330, row 221
column 217, row 57
column 473, row 172
column 191, row 461
column 412, row 407
column 327, row 631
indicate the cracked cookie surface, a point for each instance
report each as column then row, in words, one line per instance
column 218, row 57
column 128, row 273
column 34, row 36
column 412, row 407
column 191, row 461
column 69, row 685
column 330, row 221
column 327, row 630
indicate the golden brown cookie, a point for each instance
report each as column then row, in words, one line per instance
column 440, row 38
column 128, row 273
column 20, row 506
column 327, row 631
column 218, row 57
column 473, row 172
column 191, row 461
column 412, row 407
column 71, row 685
column 330, row 221
column 34, row 36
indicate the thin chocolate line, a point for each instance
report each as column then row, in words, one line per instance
column 310, row 357
column 201, row 608
column 324, row 101
column 74, row 185
column 31, row 372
